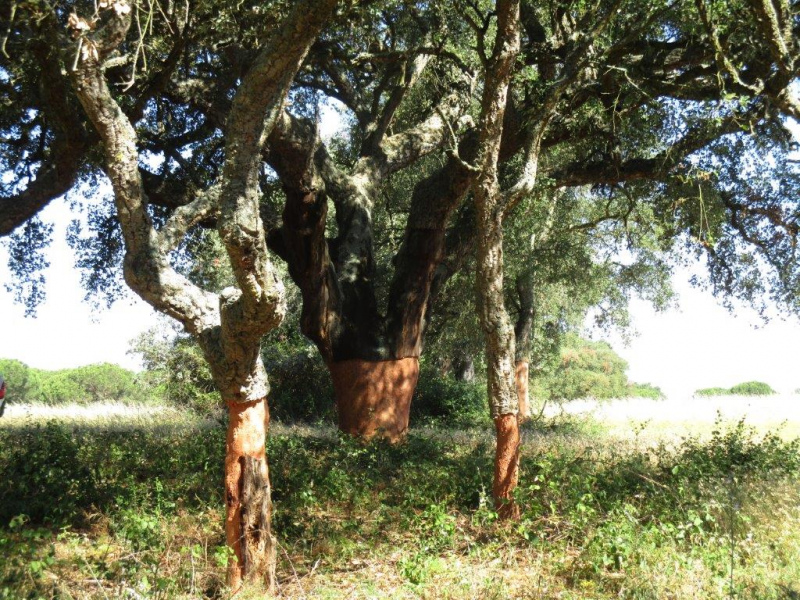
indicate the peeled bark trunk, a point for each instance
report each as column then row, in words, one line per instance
column 521, row 379
column 506, row 466
column 248, row 496
column 374, row 398
column 490, row 204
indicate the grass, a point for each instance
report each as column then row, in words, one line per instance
column 132, row 508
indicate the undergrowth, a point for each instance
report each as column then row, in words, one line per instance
column 116, row 513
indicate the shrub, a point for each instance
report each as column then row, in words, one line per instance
column 301, row 388
column 645, row 390
column 752, row 388
column 712, row 391
column 748, row 388
column 446, row 399
column 18, row 379
column 175, row 370
column 588, row 369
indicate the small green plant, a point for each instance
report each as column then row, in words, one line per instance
column 748, row 388
column 752, row 388
column 645, row 390
column 712, row 391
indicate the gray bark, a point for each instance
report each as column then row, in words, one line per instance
column 228, row 326
column 489, row 209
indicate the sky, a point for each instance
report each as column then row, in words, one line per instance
column 698, row 344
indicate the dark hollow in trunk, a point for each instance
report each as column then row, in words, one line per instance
column 374, row 398
column 248, row 497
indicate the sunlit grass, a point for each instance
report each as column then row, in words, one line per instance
column 620, row 503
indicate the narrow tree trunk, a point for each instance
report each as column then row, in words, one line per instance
column 464, row 368
column 373, row 398
column 523, row 331
column 490, row 204
column 521, row 380
column 247, row 496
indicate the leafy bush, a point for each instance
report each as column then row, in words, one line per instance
column 748, row 388
column 752, row 388
column 589, row 369
column 446, row 399
column 301, row 388
column 176, row 369
column 712, row 391
column 18, row 379
column 645, row 390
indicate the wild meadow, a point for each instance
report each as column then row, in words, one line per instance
column 121, row 504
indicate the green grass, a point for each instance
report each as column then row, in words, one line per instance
column 115, row 511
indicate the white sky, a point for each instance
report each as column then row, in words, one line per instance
column 697, row 345
column 700, row 344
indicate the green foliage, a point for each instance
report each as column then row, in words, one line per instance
column 645, row 390
column 301, row 388
column 595, row 521
column 752, row 388
column 82, row 385
column 17, row 376
column 176, row 369
column 748, row 388
column 589, row 369
column 712, row 391
column 442, row 398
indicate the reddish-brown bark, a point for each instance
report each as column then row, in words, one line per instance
column 247, row 496
column 506, row 466
column 374, row 398
column 521, row 379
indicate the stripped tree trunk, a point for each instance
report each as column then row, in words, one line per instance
column 247, row 495
column 490, row 204
column 228, row 326
column 373, row 398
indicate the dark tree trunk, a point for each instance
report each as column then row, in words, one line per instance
column 372, row 358
column 464, row 368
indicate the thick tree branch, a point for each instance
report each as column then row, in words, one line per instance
column 147, row 269
column 256, row 107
